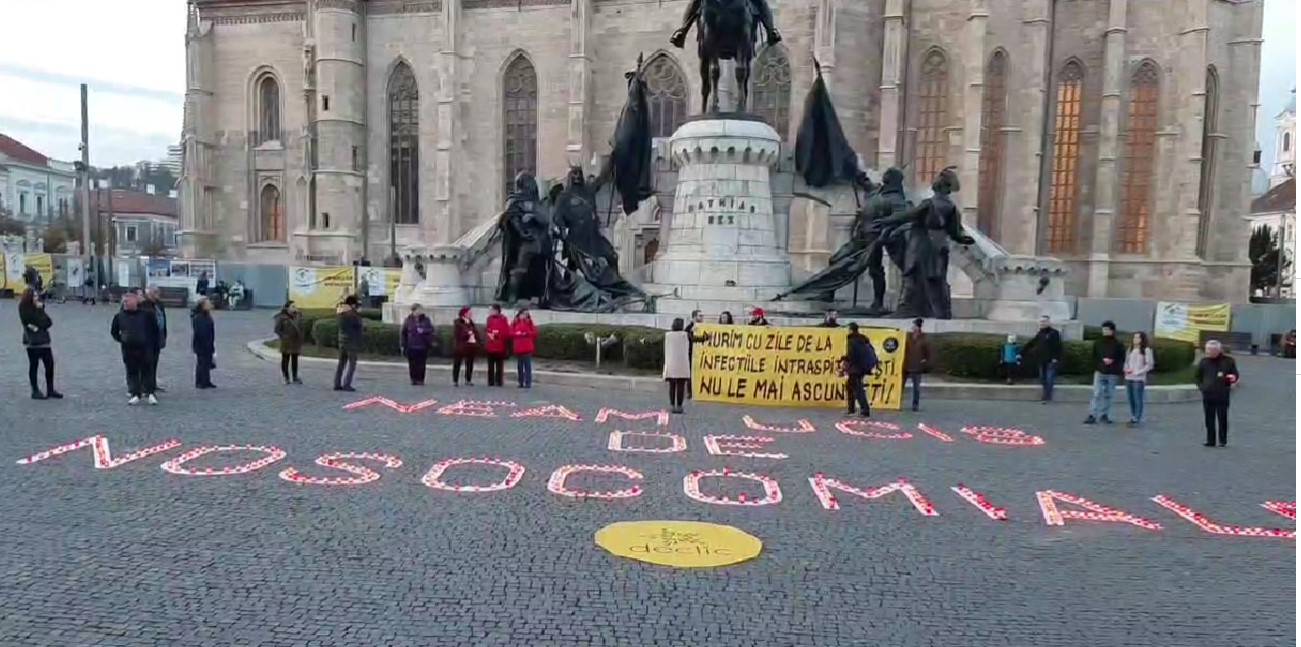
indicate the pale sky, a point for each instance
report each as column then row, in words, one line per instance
column 134, row 61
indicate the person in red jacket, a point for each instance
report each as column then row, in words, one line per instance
column 465, row 345
column 524, row 335
column 497, row 345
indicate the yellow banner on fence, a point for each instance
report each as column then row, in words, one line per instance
column 1186, row 322
column 794, row 367
column 382, row 281
column 16, row 265
column 319, row 288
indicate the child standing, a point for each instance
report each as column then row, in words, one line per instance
column 1010, row 358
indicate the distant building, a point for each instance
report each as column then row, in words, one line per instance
column 33, row 187
column 1277, row 210
column 1284, row 144
column 173, row 161
column 145, row 224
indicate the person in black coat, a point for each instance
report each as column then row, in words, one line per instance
column 858, row 363
column 1108, row 367
column 1045, row 350
column 136, row 330
column 1215, row 375
column 154, row 305
column 204, row 344
column 36, row 337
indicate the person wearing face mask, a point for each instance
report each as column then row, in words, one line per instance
column 36, row 338
column 1108, row 366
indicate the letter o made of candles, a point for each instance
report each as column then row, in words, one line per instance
column 556, row 484
column 433, row 478
column 691, row 486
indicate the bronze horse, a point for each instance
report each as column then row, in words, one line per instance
column 725, row 32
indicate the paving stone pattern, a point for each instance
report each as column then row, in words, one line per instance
column 136, row 556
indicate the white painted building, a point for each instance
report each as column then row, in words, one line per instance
column 1284, row 144
column 33, row 187
column 145, row 224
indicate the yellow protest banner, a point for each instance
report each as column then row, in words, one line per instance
column 1186, row 322
column 319, row 288
column 16, row 265
column 382, row 281
column 795, row 367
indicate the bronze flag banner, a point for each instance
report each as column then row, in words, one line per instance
column 795, row 367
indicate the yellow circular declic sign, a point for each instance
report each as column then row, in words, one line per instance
column 680, row 544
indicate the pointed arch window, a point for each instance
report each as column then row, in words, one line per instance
column 1140, row 159
column 932, row 117
column 521, row 119
column 1206, row 185
column 271, row 215
column 268, row 110
column 666, row 96
column 772, row 89
column 992, row 119
column 404, row 144
column 1064, row 183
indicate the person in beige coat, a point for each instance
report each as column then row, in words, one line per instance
column 677, row 364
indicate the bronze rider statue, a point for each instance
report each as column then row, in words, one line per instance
column 762, row 13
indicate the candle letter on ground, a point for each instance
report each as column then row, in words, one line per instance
column 1202, row 521
column 1284, row 508
column 822, row 487
column 619, row 442
column 396, row 406
column 978, row 499
column 434, row 477
column 872, row 429
column 661, row 417
column 801, row 426
column 174, row 466
column 557, row 481
column 1096, row 512
column 475, row 408
column 739, row 446
column 360, row 474
column 548, row 411
column 1001, row 436
column 99, row 449
column 691, row 485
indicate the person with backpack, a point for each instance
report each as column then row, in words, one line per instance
column 859, row 362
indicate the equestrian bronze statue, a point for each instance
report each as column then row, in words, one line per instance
column 725, row 31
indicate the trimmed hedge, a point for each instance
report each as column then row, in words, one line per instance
column 976, row 356
column 963, row 355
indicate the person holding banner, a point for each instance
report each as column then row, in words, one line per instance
column 858, row 363
column 1216, row 374
column 677, row 364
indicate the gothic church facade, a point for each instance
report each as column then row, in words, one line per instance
column 1116, row 135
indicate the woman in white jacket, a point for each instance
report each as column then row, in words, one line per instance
column 1139, row 361
column 677, row 364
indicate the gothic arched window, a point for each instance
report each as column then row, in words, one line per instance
column 666, row 96
column 932, row 116
column 993, row 116
column 1140, row 159
column 404, row 144
column 520, row 139
column 1206, row 187
column 771, row 93
column 1064, row 184
column 271, row 216
column 268, row 110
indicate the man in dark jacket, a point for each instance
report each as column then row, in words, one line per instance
column 204, row 344
column 861, row 362
column 137, row 332
column 1108, row 367
column 350, row 327
column 1216, row 374
column 916, row 359
column 1045, row 350
column 830, row 320
column 154, row 306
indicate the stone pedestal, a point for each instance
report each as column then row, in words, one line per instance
column 722, row 251
column 441, row 286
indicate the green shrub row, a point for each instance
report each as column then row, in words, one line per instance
column 965, row 355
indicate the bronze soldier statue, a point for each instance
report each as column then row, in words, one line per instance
column 525, row 243
column 924, row 233
column 760, row 9
column 867, row 246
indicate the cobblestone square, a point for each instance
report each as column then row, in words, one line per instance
column 133, row 555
